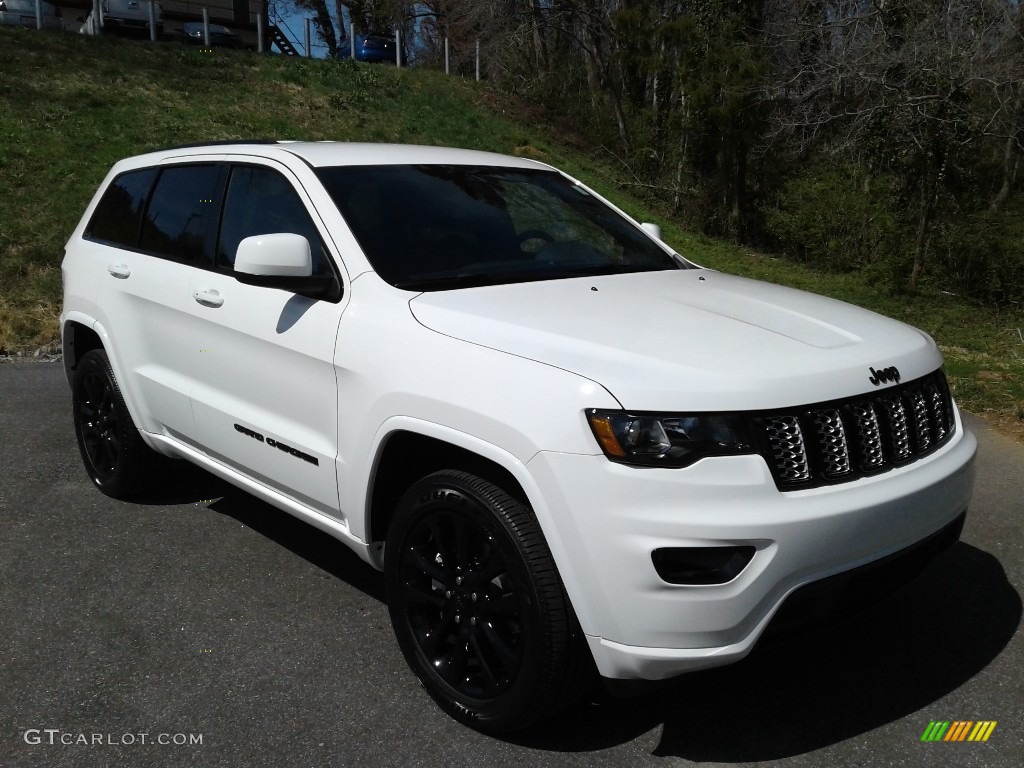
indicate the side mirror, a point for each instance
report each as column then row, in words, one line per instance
column 282, row 255
column 281, row 261
column 651, row 229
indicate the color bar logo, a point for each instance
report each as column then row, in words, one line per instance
column 958, row 730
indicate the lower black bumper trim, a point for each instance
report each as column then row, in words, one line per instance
column 828, row 601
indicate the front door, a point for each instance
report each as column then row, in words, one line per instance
column 264, row 397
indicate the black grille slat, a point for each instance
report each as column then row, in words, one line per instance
column 869, row 436
column 788, row 452
column 899, row 435
column 921, row 428
column 841, row 441
column 832, row 442
column 937, row 398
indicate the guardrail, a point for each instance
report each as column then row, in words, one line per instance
column 94, row 24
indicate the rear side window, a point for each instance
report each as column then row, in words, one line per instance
column 117, row 218
column 177, row 221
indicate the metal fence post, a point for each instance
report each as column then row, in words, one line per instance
column 398, row 48
column 152, row 22
column 39, row 14
column 259, row 33
column 309, row 49
column 352, row 38
column 206, row 28
column 447, row 59
column 478, row 61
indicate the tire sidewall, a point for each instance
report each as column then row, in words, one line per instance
column 122, row 479
column 493, row 715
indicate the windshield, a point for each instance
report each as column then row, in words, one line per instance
column 436, row 227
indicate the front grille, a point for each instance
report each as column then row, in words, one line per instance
column 844, row 440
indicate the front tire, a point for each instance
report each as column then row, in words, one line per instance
column 477, row 605
column 115, row 456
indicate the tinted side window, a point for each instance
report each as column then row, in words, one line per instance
column 260, row 201
column 119, row 213
column 180, row 209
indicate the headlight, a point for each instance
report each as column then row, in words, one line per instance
column 667, row 440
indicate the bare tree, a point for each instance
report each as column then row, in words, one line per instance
column 332, row 17
column 908, row 87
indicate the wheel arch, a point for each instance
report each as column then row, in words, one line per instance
column 80, row 334
column 405, row 456
column 406, row 449
column 77, row 338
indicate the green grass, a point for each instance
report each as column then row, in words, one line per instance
column 70, row 106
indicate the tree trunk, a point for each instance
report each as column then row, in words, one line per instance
column 342, row 30
column 923, row 232
column 684, row 146
column 620, row 119
column 739, row 194
column 1008, row 171
column 602, row 79
column 539, row 46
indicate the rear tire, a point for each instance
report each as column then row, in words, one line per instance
column 477, row 604
column 115, row 457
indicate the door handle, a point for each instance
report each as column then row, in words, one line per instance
column 208, row 297
column 120, row 271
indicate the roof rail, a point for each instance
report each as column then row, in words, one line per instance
column 216, row 143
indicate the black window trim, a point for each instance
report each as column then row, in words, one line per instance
column 213, row 226
column 218, row 195
column 332, row 262
column 160, row 168
column 87, row 234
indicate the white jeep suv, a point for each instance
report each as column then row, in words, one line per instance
column 566, row 446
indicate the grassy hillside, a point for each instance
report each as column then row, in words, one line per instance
column 70, row 106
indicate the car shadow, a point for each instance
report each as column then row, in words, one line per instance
column 819, row 689
column 309, row 543
column 791, row 697
column 175, row 481
column 181, row 482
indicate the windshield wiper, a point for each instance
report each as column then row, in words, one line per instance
column 441, row 282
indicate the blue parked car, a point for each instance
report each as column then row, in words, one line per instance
column 373, row 48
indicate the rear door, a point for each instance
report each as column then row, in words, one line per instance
column 149, row 235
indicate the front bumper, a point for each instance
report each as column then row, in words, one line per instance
column 603, row 520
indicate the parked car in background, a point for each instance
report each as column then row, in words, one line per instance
column 131, row 16
column 376, row 49
column 220, row 36
column 22, row 13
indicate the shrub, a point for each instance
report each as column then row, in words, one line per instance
column 834, row 217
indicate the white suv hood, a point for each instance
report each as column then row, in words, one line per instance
column 686, row 340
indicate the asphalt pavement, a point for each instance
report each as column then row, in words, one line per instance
column 209, row 629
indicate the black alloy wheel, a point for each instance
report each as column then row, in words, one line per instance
column 476, row 603
column 115, row 456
